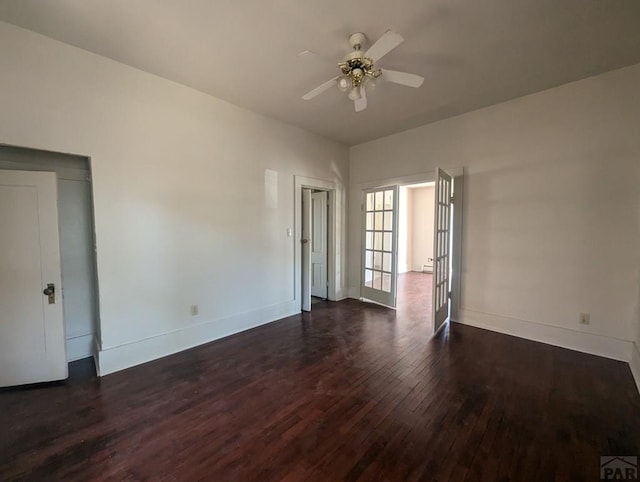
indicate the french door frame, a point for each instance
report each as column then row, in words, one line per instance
column 429, row 176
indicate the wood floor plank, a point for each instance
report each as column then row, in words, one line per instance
column 350, row 391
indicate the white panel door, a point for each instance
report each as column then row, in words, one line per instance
column 380, row 245
column 441, row 249
column 32, row 344
column 306, row 249
column 319, row 244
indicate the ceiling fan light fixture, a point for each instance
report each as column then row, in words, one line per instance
column 344, row 83
column 370, row 84
column 354, row 93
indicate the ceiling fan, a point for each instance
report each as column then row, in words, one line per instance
column 359, row 74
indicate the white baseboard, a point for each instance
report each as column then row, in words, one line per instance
column 116, row 358
column 419, row 268
column 634, row 363
column 604, row 346
column 341, row 294
column 79, row 347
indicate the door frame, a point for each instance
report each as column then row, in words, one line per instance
column 335, row 231
column 324, row 224
column 38, row 160
column 429, row 176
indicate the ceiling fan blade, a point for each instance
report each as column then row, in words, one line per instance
column 320, row 89
column 402, row 78
column 385, row 44
column 361, row 103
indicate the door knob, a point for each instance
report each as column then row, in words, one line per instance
column 50, row 291
column 305, row 241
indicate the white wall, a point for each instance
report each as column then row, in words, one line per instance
column 415, row 228
column 179, row 193
column 405, row 229
column 550, row 222
column 422, row 221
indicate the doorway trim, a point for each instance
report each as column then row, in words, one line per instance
column 318, row 243
column 335, row 290
column 429, row 176
column 33, row 159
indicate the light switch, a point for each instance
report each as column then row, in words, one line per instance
column 289, row 233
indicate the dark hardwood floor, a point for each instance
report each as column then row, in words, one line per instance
column 350, row 391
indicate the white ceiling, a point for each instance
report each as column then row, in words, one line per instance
column 471, row 53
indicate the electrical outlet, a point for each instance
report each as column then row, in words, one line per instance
column 194, row 310
column 585, row 318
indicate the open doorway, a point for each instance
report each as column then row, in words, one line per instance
column 317, row 239
column 325, row 198
column 381, row 260
column 50, row 292
column 415, row 250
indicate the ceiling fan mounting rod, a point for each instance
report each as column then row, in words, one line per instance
column 357, row 40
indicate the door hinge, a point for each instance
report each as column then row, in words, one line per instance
column 450, row 295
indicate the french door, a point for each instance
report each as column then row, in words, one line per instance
column 442, row 249
column 379, row 249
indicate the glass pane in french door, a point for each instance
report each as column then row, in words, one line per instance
column 379, row 240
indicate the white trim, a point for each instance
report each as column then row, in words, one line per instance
column 447, row 322
column 113, row 359
column 456, row 253
column 419, row 178
column 95, row 353
column 593, row 344
column 334, row 227
column 417, row 268
column 634, row 364
column 79, row 347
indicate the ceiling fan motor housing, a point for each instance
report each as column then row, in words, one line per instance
column 357, row 40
